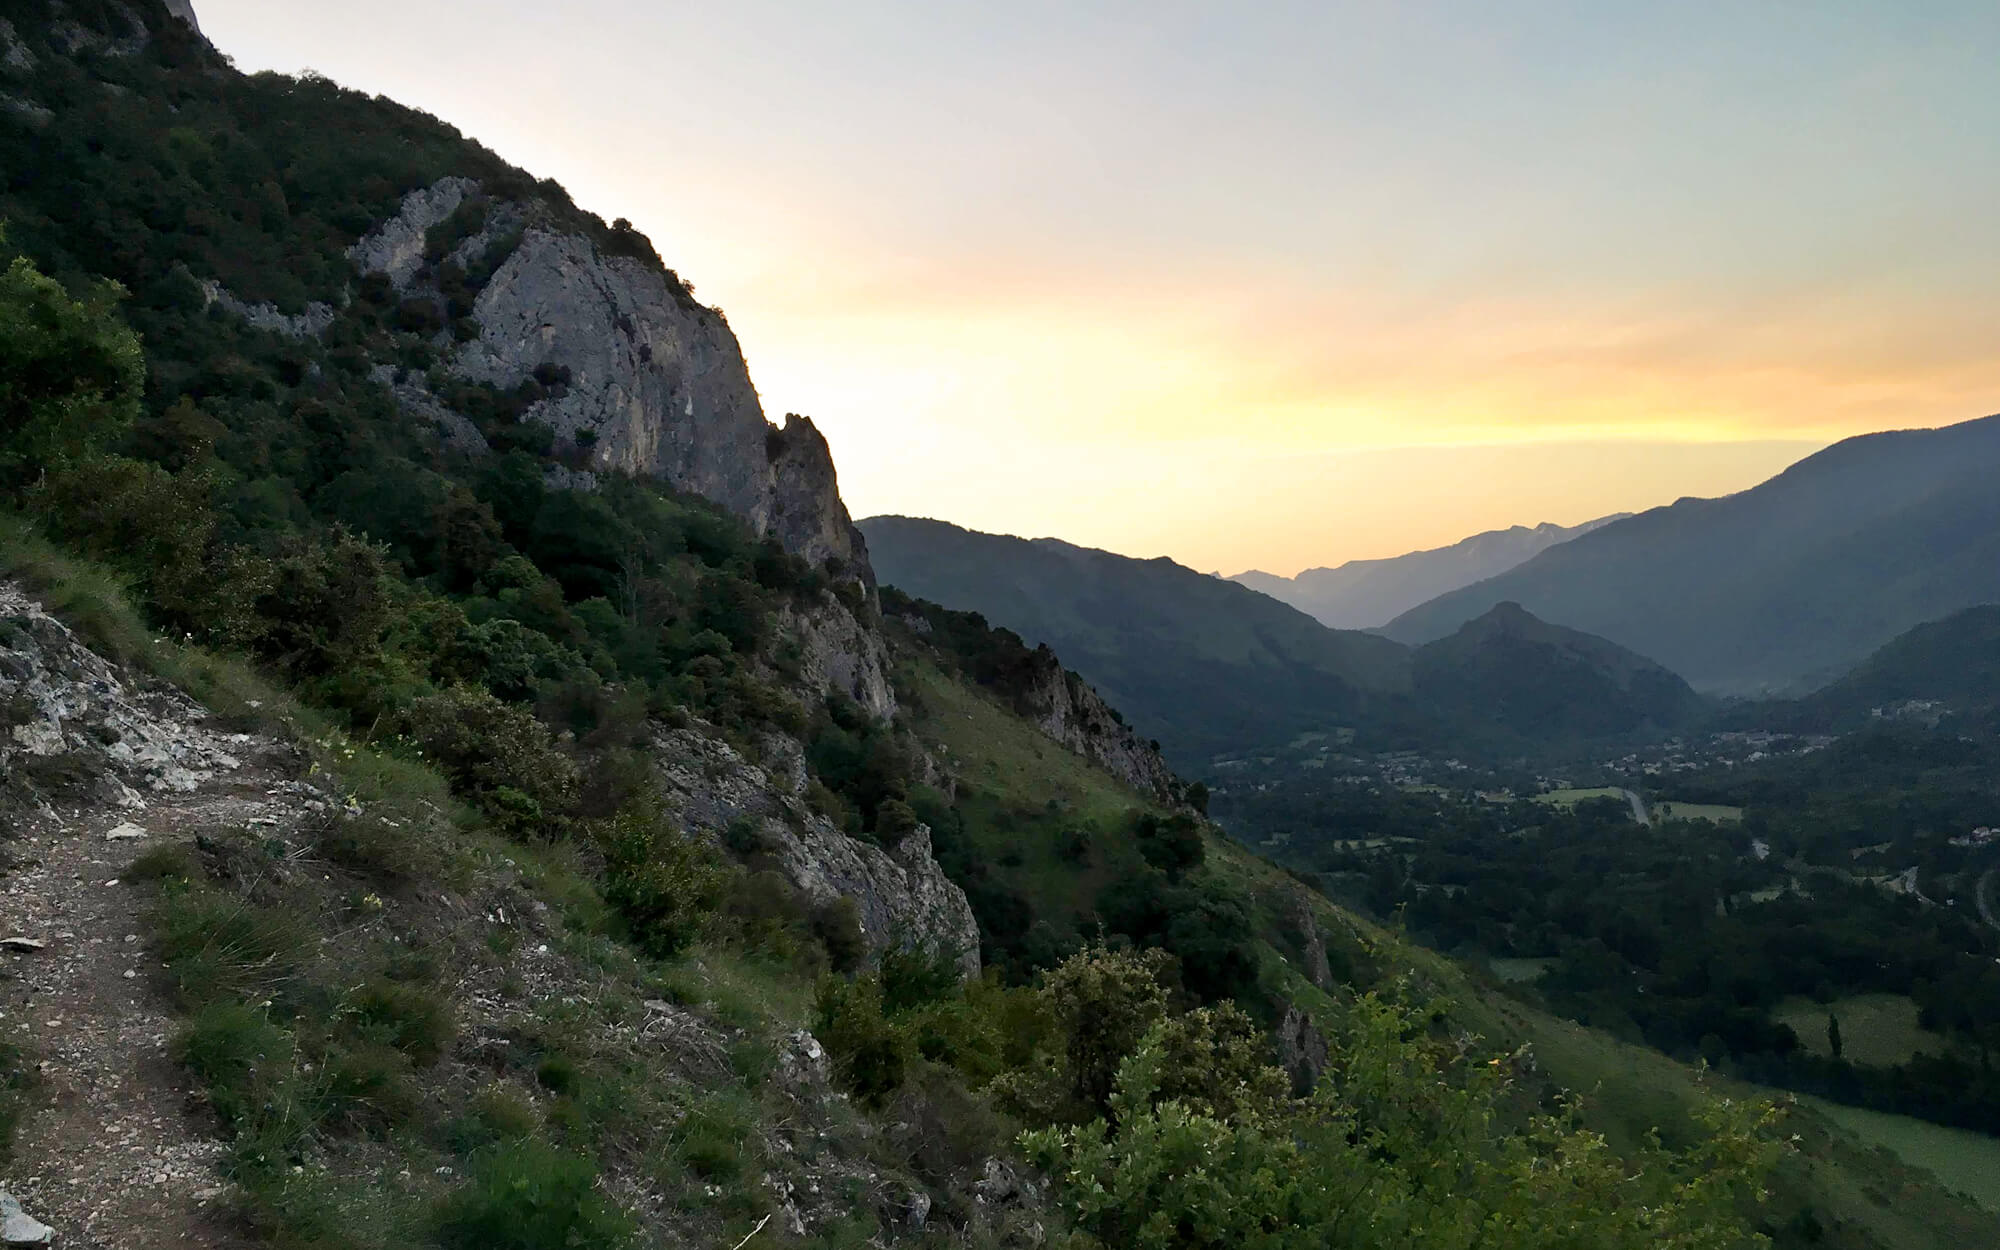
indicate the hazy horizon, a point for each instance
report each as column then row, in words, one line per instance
column 1272, row 288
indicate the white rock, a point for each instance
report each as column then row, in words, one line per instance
column 18, row 1228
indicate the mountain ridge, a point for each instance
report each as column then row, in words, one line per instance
column 1787, row 583
column 1367, row 594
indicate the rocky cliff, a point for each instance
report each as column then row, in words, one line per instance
column 641, row 378
column 1070, row 713
column 901, row 895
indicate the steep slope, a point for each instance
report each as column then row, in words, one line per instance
column 1512, row 675
column 1364, row 594
column 1201, row 663
column 1792, row 580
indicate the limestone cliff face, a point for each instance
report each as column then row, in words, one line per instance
column 902, row 895
column 655, row 384
column 837, row 653
column 1072, row 714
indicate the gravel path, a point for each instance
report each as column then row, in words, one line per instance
column 117, row 1152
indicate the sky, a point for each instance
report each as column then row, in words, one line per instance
column 1272, row 284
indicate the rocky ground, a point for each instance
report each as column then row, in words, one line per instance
column 99, row 770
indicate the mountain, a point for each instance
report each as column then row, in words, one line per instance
column 1210, row 667
column 1363, row 594
column 1202, row 663
column 1781, row 585
column 1510, row 675
column 1942, row 667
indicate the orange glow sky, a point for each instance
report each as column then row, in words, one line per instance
column 1274, row 284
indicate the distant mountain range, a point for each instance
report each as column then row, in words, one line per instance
column 1365, row 594
column 1783, row 586
column 1211, row 667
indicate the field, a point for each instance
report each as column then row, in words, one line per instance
column 1698, row 811
column 1965, row 1161
column 1876, row 1029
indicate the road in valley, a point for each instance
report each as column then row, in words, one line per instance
column 1639, row 812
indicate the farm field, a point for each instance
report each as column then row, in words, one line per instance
column 1876, row 1029
column 1962, row 1160
column 1570, row 798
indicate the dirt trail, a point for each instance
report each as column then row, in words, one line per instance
column 117, row 1153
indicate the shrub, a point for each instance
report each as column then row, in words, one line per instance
column 218, row 946
column 530, row 1196
column 71, row 374
column 869, row 1054
column 499, row 756
column 837, row 925
column 169, row 861
column 665, row 885
column 411, row 1018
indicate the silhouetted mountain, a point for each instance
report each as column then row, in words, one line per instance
column 1793, row 580
column 1200, row 662
column 1211, row 667
column 1510, row 675
column 1363, row 594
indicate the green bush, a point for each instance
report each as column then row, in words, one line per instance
column 530, row 1196
column 870, row 1055
column 217, row 946
column 664, row 884
column 498, row 756
column 414, row 1019
column 71, row 373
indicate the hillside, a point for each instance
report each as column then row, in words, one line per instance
column 1510, row 675
column 1203, row 664
column 1365, row 594
column 1946, row 668
column 1785, row 584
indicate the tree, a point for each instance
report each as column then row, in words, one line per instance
column 1833, row 1039
column 71, row 373
column 1403, row 1144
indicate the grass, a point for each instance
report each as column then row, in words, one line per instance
column 1570, row 798
column 1879, row 1030
column 1020, row 793
column 1518, row 970
column 1964, row 1161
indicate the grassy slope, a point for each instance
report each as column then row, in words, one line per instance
column 1009, row 776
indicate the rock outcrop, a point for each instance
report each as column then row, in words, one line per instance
column 900, row 892
column 836, row 653
column 654, row 384
column 69, row 718
column 1069, row 712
